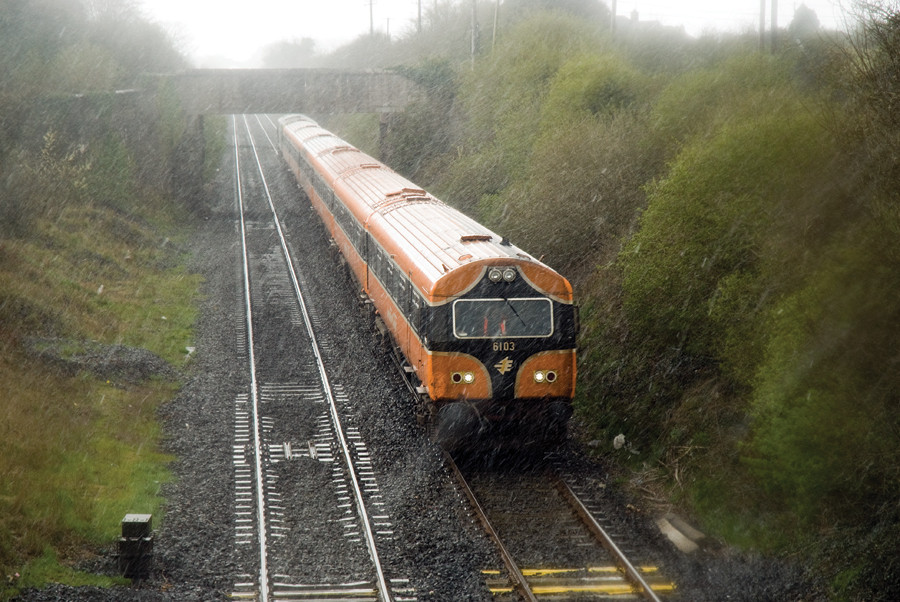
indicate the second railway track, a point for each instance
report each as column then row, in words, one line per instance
column 551, row 543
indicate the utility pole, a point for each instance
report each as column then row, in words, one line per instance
column 762, row 25
column 371, row 18
column 496, row 16
column 474, row 31
column 419, row 20
column 612, row 19
column 774, row 26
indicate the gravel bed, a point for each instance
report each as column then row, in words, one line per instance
column 435, row 543
column 120, row 363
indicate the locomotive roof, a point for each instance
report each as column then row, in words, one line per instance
column 441, row 248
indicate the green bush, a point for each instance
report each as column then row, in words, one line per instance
column 421, row 135
column 592, row 84
column 561, row 132
column 701, row 252
column 501, row 99
column 700, row 101
column 674, row 331
column 585, row 177
column 824, row 437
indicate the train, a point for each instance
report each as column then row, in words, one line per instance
column 486, row 331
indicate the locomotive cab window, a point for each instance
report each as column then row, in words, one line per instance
column 497, row 318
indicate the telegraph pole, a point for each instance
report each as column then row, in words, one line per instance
column 475, row 34
column 762, row 25
column 774, row 26
column 612, row 19
column 496, row 16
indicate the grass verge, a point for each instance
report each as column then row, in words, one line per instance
column 78, row 452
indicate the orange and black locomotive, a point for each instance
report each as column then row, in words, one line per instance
column 488, row 330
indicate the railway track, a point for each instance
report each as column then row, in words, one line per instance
column 290, row 442
column 551, row 543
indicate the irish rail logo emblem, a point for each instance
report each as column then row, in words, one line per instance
column 504, row 365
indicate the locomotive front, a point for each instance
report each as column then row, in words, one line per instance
column 502, row 348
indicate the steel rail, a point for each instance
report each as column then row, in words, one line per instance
column 631, row 573
column 518, row 579
column 254, row 385
column 383, row 589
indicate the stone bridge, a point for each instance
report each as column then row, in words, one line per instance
column 311, row 91
column 136, row 112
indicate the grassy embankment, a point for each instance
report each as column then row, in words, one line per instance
column 78, row 452
column 93, row 226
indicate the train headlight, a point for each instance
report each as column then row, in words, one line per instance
column 495, row 275
column 509, row 274
column 544, row 376
column 466, row 378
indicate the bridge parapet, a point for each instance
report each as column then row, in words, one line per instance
column 316, row 91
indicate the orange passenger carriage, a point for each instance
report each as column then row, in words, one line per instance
column 488, row 330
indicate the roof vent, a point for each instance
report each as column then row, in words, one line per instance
column 406, row 191
column 475, row 238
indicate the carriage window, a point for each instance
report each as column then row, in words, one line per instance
column 498, row 318
column 415, row 313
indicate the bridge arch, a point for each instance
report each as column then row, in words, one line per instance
column 313, row 91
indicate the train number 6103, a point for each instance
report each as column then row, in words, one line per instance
column 504, row 346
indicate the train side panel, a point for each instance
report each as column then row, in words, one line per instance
column 410, row 345
column 294, row 157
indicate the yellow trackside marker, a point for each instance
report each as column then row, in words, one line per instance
column 607, row 585
column 613, row 569
column 504, row 365
column 620, row 589
column 610, row 590
column 590, row 569
column 542, row 572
